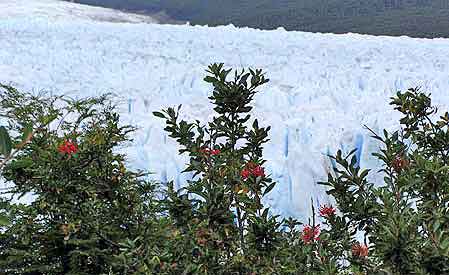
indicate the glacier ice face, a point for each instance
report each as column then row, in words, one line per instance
column 323, row 87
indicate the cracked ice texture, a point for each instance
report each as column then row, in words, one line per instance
column 323, row 87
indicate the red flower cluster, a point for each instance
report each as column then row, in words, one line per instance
column 212, row 152
column 359, row 250
column 245, row 173
column 310, row 234
column 252, row 169
column 327, row 211
column 68, row 147
column 258, row 171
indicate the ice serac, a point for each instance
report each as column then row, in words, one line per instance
column 323, row 87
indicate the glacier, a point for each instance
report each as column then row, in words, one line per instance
column 56, row 10
column 323, row 87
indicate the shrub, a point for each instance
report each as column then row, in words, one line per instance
column 91, row 215
column 406, row 220
column 228, row 228
column 86, row 202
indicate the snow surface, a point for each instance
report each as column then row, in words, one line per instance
column 323, row 87
column 61, row 10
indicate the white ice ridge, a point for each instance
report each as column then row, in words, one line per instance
column 323, row 87
column 67, row 11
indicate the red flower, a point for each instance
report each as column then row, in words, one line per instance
column 359, row 250
column 207, row 151
column 310, row 234
column 327, row 211
column 252, row 168
column 258, row 171
column 68, row 147
column 245, row 173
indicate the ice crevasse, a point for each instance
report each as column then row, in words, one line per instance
column 323, row 87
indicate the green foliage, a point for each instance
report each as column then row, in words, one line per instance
column 405, row 221
column 219, row 215
column 91, row 215
column 7, row 153
column 231, row 218
column 416, row 18
column 5, row 142
column 86, row 203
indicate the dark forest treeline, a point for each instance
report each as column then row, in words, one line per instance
column 416, row 18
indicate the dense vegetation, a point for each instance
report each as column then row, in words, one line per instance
column 92, row 215
column 416, row 18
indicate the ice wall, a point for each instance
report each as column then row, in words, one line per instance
column 323, row 87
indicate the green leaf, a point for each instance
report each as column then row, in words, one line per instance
column 269, row 188
column 27, row 131
column 49, row 118
column 364, row 173
column 5, row 142
column 210, row 79
column 159, row 114
column 4, row 221
column 256, row 124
